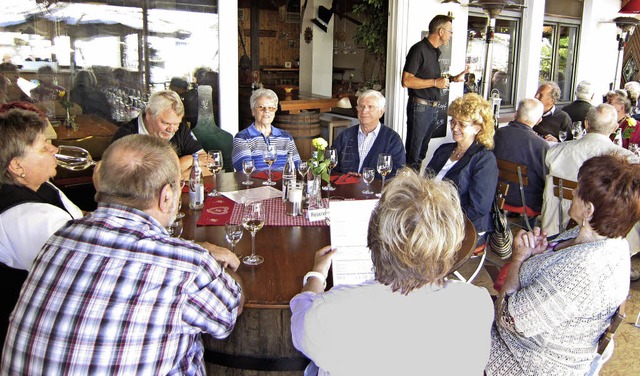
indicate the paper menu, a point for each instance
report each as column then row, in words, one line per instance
column 251, row 195
column 351, row 263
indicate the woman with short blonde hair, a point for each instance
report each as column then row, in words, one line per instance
column 469, row 162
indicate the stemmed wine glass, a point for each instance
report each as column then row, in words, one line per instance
column 269, row 156
column 634, row 148
column 74, row 158
column 385, row 165
column 445, row 74
column 562, row 136
column 253, row 220
column 368, row 174
column 576, row 130
column 214, row 163
column 333, row 162
column 179, row 214
column 175, row 228
column 303, row 168
column 233, row 233
column 248, row 167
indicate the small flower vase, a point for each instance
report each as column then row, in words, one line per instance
column 314, row 191
column 70, row 120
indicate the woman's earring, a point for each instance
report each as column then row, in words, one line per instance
column 584, row 222
column 23, row 175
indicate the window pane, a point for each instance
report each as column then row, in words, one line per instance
column 129, row 59
column 502, row 62
column 566, row 58
column 546, row 54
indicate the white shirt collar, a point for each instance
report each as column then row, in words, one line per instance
column 142, row 129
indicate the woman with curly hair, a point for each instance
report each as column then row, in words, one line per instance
column 468, row 162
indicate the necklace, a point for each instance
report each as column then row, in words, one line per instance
column 458, row 155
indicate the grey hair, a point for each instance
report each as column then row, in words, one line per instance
column 19, row 129
column 415, row 231
column 584, row 91
column 164, row 100
column 134, row 169
column 263, row 93
column 602, row 119
column 529, row 111
column 380, row 99
column 555, row 90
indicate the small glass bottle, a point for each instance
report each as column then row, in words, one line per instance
column 196, row 185
column 288, row 175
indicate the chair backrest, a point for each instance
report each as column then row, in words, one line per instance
column 614, row 324
column 563, row 190
column 501, row 194
column 512, row 172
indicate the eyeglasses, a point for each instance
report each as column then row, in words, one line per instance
column 266, row 108
column 459, row 124
column 172, row 125
column 450, row 31
column 369, row 108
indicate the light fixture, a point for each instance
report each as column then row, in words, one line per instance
column 324, row 16
column 627, row 26
column 450, row 1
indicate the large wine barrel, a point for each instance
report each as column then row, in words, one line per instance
column 260, row 344
column 304, row 127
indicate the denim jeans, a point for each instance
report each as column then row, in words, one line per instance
column 421, row 122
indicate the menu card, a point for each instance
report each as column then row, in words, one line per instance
column 351, row 263
column 251, row 195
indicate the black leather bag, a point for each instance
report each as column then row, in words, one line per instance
column 501, row 239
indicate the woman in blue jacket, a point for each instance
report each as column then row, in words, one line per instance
column 468, row 162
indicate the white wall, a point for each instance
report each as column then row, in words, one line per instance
column 316, row 58
column 228, row 24
column 598, row 45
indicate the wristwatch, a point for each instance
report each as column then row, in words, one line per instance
column 318, row 275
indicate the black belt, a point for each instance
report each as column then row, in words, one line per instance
column 424, row 101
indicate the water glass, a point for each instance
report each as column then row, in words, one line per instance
column 368, row 174
column 233, row 234
column 248, row 166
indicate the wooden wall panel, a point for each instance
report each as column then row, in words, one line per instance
column 280, row 40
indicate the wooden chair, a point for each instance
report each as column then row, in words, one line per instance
column 563, row 190
column 516, row 174
column 605, row 343
column 481, row 250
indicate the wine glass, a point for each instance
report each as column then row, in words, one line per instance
column 634, row 148
column 562, row 136
column 175, row 228
column 333, row 162
column 214, row 163
column 385, row 165
column 253, row 220
column 368, row 174
column 269, row 156
column 446, row 74
column 179, row 214
column 248, row 167
column 74, row 158
column 233, row 234
column 576, row 130
column 303, row 168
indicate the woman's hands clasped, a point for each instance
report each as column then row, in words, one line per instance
column 529, row 243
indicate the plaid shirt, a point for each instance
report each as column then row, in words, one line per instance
column 113, row 293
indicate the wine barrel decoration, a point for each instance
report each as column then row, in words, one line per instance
column 303, row 127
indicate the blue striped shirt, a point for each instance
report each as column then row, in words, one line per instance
column 113, row 294
column 249, row 143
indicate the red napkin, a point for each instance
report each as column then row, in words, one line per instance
column 347, row 179
column 216, row 211
column 275, row 175
column 207, row 188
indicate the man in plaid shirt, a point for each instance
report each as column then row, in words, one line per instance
column 113, row 293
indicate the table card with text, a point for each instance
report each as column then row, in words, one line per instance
column 349, row 224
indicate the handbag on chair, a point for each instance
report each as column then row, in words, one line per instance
column 501, row 239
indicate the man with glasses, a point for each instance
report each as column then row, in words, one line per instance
column 422, row 76
column 250, row 142
column 163, row 118
column 359, row 146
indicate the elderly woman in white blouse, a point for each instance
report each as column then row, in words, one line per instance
column 559, row 296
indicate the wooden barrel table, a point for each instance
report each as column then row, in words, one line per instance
column 303, row 127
